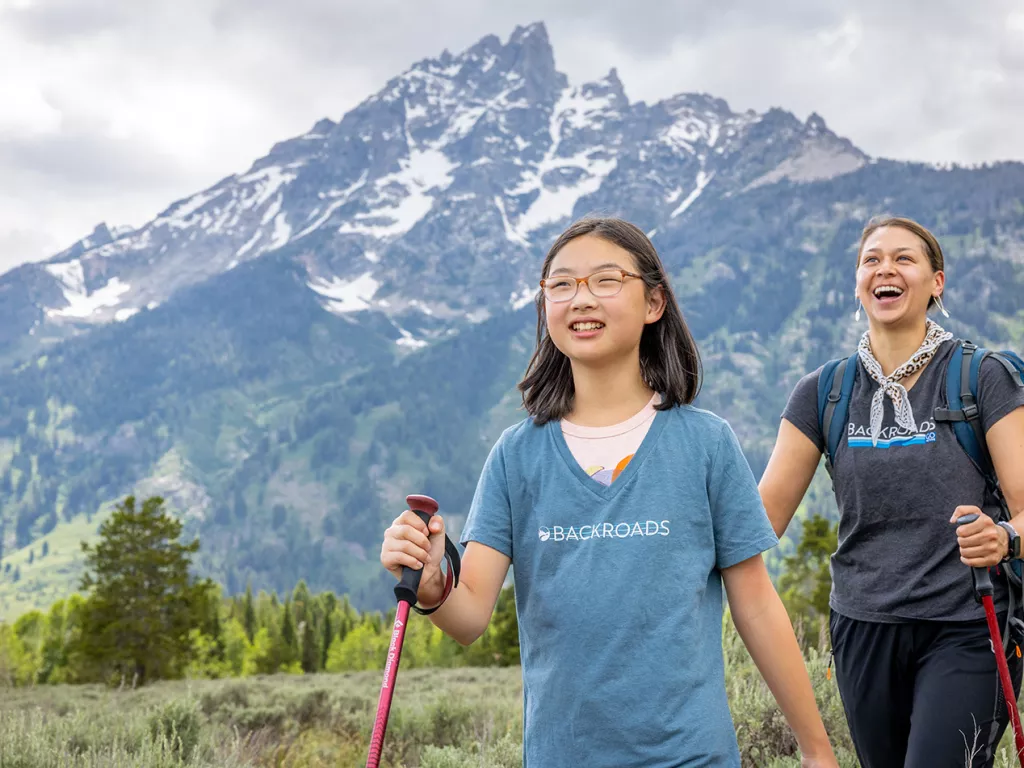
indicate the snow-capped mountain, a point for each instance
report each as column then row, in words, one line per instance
column 459, row 171
column 289, row 352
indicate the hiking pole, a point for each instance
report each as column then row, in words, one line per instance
column 406, row 591
column 983, row 592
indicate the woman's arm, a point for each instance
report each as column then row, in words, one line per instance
column 982, row 542
column 764, row 626
column 1006, row 445
column 787, row 476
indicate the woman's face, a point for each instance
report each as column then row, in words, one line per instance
column 895, row 279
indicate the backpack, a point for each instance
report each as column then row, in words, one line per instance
column 835, row 385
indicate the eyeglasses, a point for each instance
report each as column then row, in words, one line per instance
column 603, row 284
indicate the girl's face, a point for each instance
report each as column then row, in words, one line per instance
column 895, row 279
column 591, row 329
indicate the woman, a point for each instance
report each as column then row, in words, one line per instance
column 914, row 664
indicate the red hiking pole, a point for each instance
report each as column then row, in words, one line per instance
column 983, row 591
column 406, row 591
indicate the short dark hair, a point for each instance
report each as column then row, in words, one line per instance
column 932, row 249
column 669, row 358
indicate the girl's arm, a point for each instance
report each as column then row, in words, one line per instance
column 764, row 626
column 464, row 616
column 983, row 542
column 788, row 474
column 468, row 609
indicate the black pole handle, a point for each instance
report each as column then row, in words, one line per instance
column 408, row 588
column 982, row 580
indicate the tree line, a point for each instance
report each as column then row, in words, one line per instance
column 142, row 616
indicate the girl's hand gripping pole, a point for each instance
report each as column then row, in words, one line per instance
column 405, row 591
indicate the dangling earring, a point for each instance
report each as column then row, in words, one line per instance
column 942, row 309
column 856, row 316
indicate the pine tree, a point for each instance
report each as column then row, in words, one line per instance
column 504, row 629
column 289, row 640
column 805, row 582
column 310, row 651
column 143, row 603
column 249, row 614
column 349, row 618
column 302, row 601
column 327, row 636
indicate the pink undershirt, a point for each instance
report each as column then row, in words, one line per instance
column 604, row 452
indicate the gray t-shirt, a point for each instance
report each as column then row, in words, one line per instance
column 898, row 559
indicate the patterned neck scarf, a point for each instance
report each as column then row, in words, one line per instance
column 889, row 385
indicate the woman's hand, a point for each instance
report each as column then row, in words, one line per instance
column 982, row 542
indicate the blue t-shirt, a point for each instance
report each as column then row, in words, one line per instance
column 619, row 591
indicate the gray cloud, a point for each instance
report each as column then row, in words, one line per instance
column 137, row 104
column 19, row 245
column 90, row 162
column 62, row 21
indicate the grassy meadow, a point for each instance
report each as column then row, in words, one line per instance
column 441, row 718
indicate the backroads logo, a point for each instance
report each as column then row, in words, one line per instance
column 604, row 531
column 890, row 437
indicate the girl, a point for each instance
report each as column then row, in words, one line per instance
column 913, row 660
column 623, row 509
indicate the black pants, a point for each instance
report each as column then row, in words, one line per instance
column 921, row 694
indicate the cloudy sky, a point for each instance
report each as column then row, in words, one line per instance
column 112, row 109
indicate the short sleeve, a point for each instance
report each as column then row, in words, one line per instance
column 802, row 409
column 490, row 515
column 998, row 392
column 739, row 520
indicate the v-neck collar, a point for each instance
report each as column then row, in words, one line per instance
column 554, row 428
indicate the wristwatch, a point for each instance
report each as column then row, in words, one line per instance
column 1013, row 549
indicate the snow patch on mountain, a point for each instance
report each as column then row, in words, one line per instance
column 343, row 296
column 702, row 180
column 404, row 197
column 81, row 303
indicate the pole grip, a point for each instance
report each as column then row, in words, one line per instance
column 981, row 577
column 408, row 587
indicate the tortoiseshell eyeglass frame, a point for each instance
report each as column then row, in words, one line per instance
column 586, row 280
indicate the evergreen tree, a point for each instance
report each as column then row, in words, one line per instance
column 289, row 651
column 326, row 637
column 143, row 603
column 302, row 602
column 249, row 614
column 805, row 582
column 504, row 629
column 310, row 651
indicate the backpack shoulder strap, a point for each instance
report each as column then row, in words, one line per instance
column 834, row 387
column 962, row 405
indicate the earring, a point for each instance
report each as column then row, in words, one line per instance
column 857, row 314
column 942, row 309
